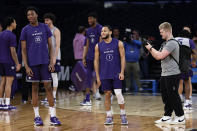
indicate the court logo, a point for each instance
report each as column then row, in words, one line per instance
column 38, row 39
column 109, row 57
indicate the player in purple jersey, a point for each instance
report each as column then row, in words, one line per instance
column 186, row 76
column 92, row 38
column 109, row 65
column 8, row 62
column 37, row 53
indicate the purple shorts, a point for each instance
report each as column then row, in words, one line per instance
column 7, row 69
column 90, row 73
column 185, row 76
column 41, row 73
column 109, row 84
column 57, row 66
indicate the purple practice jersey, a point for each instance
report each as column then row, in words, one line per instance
column 109, row 61
column 7, row 40
column 36, row 38
column 93, row 35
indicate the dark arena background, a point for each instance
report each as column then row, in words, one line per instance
column 144, row 106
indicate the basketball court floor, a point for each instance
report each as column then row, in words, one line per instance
column 142, row 111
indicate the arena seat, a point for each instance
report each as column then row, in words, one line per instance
column 147, row 82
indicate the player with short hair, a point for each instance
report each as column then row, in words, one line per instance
column 9, row 63
column 109, row 65
column 37, row 53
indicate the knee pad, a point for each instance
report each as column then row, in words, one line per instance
column 55, row 79
column 120, row 98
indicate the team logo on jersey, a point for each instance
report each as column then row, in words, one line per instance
column 92, row 36
column 109, row 57
column 38, row 39
column 92, row 40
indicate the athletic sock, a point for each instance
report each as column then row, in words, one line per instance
column 122, row 112
column 36, row 111
column 109, row 113
column 52, row 111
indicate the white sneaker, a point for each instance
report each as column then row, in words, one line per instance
column 71, row 88
column 164, row 119
column 190, row 101
column 178, row 120
column 187, row 105
column 97, row 96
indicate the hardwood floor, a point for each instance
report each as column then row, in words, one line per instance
column 142, row 111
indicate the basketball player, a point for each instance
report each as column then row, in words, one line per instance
column 186, row 76
column 193, row 63
column 8, row 62
column 37, row 53
column 92, row 38
column 49, row 19
column 170, row 75
column 109, row 66
column 187, row 27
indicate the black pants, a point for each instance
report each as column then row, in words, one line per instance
column 26, row 86
column 170, row 96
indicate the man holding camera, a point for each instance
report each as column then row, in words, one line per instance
column 170, row 75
